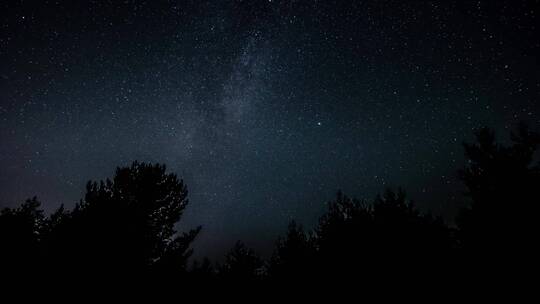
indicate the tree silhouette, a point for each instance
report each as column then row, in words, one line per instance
column 203, row 271
column 241, row 264
column 407, row 240
column 126, row 227
column 122, row 226
column 389, row 236
column 293, row 258
column 502, row 182
column 341, row 235
column 21, row 230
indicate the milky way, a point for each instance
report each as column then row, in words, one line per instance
column 265, row 108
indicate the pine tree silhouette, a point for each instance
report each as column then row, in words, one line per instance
column 293, row 258
column 502, row 183
column 21, row 230
column 241, row 264
column 389, row 236
column 122, row 227
column 125, row 227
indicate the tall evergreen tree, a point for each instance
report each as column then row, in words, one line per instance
column 502, row 182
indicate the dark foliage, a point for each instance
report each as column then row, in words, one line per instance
column 126, row 227
column 294, row 256
column 203, row 271
column 20, row 235
column 388, row 236
column 241, row 264
column 502, row 182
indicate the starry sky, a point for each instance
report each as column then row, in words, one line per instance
column 265, row 108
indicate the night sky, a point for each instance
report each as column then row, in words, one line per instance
column 265, row 108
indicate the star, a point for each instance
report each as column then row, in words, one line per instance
column 232, row 97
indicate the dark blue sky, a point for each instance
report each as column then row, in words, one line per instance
column 265, row 108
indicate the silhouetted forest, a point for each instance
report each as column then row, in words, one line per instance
column 125, row 227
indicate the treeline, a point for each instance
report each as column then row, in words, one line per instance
column 125, row 227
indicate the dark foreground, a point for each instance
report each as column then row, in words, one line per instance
column 123, row 230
